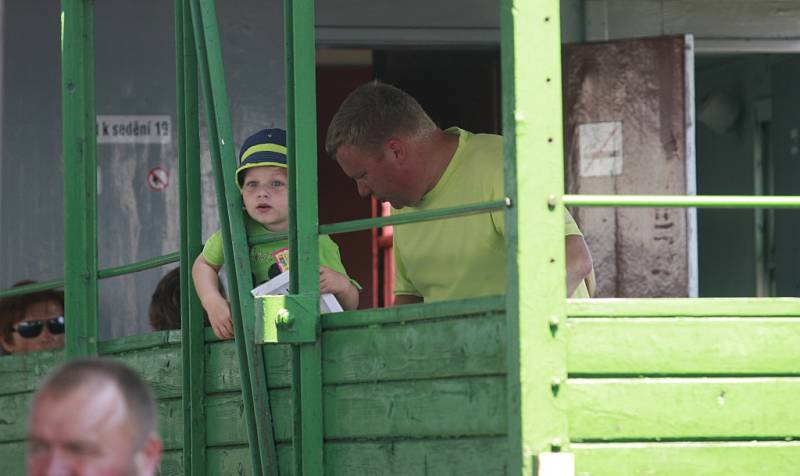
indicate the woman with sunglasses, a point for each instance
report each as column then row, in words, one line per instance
column 32, row 322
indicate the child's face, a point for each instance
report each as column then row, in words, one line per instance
column 266, row 198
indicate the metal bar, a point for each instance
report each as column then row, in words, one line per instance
column 253, row 372
column 139, row 265
column 684, row 307
column 32, row 288
column 536, row 301
column 102, row 274
column 413, row 217
column 297, row 415
column 301, row 108
column 190, row 198
column 700, row 201
column 414, row 312
column 80, row 177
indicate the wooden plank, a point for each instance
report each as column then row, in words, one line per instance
column 236, row 460
column 139, row 342
column 428, row 408
column 685, row 307
column 690, row 346
column 424, row 349
column 681, row 459
column 463, row 457
column 225, row 421
column 399, row 314
column 170, row 423
column 222, row 367
column 687, row 409
column 171, row 463
column 23, row 372
column 159, row 366
column 14, row 411
column 13, row 457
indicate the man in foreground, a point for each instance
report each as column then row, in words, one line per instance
column 93, row 417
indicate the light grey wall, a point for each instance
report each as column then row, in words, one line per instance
column 31, row 184
column 471, row 23
column 714, row 23
column 135, row 64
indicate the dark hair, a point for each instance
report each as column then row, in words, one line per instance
column 12, row 309
column 87, row 372
column 165, row 304
column 372, row 114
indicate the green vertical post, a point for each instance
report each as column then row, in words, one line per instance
column 536, row 289
column 192, row 328
column 255, row 393
column 301, row 128
column 80, row 177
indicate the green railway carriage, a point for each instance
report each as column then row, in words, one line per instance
column 525, row 383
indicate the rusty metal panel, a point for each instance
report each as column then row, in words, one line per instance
column 629, row 130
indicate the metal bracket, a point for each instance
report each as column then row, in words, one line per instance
column 287, row 319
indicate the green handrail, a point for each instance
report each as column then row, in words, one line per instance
column 699, row 201
column 406, row 218
column 80, row 177
column 301, row 107
column 32, row 288
column 190, row 198
column 255, row 395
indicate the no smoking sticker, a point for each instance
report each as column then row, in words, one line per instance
column 157, row 179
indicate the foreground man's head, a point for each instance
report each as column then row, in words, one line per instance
column 93, row 417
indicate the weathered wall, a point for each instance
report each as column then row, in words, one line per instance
column 628, row 130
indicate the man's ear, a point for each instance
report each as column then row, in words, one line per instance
column 147, row 460
column 397, row 149
column 7, row 343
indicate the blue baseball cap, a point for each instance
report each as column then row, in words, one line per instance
column 266, row 147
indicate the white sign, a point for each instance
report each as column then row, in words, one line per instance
column 600, row 146
column 134, row 129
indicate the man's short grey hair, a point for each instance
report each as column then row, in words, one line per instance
column 372, row 114
column 136, row 393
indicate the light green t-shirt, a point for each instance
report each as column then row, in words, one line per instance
column 461, row 257
column 261, row 256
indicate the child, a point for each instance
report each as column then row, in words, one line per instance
column 261, row 177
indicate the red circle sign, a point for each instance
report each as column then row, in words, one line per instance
column 157, row 179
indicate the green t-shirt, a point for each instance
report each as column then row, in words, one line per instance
column 460, row 257
column 261, row 256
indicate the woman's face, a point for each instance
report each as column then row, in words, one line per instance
column 41, row 317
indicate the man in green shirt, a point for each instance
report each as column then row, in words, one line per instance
column 384, row 140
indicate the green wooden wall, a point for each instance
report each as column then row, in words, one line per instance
column 698, row 387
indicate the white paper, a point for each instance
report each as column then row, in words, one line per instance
column 279, row 285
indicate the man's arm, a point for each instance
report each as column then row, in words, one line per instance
column 402, row 299
column 579, row 262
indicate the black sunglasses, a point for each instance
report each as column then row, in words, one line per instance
column 32, row 329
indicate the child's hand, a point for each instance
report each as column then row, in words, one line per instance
column 219, row 315
column 340, row 286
